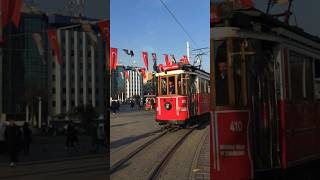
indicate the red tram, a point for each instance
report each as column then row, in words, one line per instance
column 183, row 94
column 265, row 101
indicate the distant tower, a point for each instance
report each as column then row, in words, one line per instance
column 75, row 8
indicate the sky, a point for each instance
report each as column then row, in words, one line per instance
column 306, row 11
column 145, row 25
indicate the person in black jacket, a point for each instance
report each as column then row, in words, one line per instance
column 27, row 138
column 13, row 138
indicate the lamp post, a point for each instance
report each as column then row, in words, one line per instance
column 39, row 113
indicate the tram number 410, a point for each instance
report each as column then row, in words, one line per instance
column 236, row 126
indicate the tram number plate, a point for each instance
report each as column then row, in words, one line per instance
column 236, row 126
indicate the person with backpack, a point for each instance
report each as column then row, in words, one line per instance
column 13, row 138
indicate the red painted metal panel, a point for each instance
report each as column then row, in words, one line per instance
column 231, row 156
column 299, row 132
column 176, row 112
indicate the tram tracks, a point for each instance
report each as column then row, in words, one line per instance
column 122, row 161
column 164, row 162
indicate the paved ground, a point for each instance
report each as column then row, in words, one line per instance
column 131, row 129
column 49, row 159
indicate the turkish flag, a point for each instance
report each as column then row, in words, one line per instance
column 16, row 14
column 53, row 39
column 246, row 3
column 11, row 9
column 143, row 72
column 7, row 7
column 145, row 59
column 127, row 74
column 113, row 58
column 184, row 60
column 166, row 58
column 104, row 27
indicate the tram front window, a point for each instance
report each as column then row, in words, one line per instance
column 163, row 84
column 222, row 97
column 172, row 87
column 230, row 72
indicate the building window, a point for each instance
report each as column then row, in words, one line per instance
column 53, row 103
column 53, row 90
column 72, row 53
column 72, row 90
column 64, row 90
column 72, row 103
column 90, row 90
column 97, row 103
column 89, row 54
column 53, row 65
column 53, row 78
column 64, row 103
column 97, row 91
column 81, row 90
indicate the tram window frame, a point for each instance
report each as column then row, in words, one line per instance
column 317, row 78
column 301, row 76
column 226, row 53
column 161, row 92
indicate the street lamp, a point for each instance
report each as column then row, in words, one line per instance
column 39, row 113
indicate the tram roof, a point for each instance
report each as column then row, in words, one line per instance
column 184, row 69
column 245, row 18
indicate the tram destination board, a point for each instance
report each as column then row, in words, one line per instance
column 230, row 144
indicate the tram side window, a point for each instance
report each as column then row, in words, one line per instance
column 317, row 78
column 163, row 85
column 172, row 85
column 301, row 76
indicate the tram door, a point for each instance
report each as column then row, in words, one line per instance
column 192, row 96
column 230, row 118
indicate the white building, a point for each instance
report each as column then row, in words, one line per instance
column 81, row 79
column 134, row 84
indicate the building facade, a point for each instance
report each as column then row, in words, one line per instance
column 81, row 79
column 24, row 72
column 134, row 84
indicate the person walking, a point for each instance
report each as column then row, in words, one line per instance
column 70, row 135
column 27, row 138
column 2, row 136
column 113, row 107
column 132, row 104
column 13, row 138
column 118, row 106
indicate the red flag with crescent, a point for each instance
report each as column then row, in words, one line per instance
column 145, row 59
column 16, row 14
column 104, row 27
column 166, row 58
column 143, row 72
column 53, row 39
column 113, row 58
column 127, row 74
column 247, row 3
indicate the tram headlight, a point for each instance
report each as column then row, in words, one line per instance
column 167, row 106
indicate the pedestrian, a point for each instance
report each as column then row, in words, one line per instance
column 113, row 107
column 27, row 138
column 132, row 104
column 100, row 137
column 2, row 136
column 13, row 138
column 118, row 106
column 70, row 135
